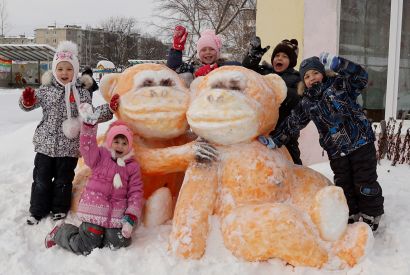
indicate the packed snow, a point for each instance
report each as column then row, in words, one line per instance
column 22, row 248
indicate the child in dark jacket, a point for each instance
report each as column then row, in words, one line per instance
column 208, row 49
column 112, row 200
column 345, row 132
column 284, row 59
column 92, row 86
column 56, row 138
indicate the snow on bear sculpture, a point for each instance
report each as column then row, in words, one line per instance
column 153, row 102
column 268, row 207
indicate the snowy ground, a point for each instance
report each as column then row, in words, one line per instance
column 22, row 250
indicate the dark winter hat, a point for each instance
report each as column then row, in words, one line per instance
column 290, row 47
column 311, row 63
column 88, row 71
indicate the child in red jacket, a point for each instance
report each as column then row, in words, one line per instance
column 208, row 51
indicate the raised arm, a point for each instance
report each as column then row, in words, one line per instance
column 354, row 73
column 254, row 55
column 291, row 126
column 174, row 60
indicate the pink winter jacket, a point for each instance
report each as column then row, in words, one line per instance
column 101, row 203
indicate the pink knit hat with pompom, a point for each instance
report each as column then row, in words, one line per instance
column 118, row 128
column 209, row 39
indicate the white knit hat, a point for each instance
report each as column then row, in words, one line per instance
column 68, row 51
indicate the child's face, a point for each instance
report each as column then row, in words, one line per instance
column 280, row 62
column 65, row 72
column 120, row 146
column 208, row 55
column 311, row 77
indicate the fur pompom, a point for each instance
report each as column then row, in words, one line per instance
column 71, row 128
column 46, row 78
column 87, row 81
column 68, row 46
column 117, row 181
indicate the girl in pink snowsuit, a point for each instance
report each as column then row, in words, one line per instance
column 113, row 197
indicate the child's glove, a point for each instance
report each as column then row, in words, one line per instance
column 268, row 142
column 115, row 103
column 205, row 152
column 87, row 115
column 205, row 69
column 255, row 50
column 28, row 97
column 179, row 38
column 128, row 222
column 331, row 62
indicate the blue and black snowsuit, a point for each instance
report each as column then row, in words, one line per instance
column 345, row 133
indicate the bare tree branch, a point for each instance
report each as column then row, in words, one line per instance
column 234, row 20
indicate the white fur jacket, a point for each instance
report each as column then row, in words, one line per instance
column 49, row 138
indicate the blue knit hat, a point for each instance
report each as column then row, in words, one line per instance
column 311, row 63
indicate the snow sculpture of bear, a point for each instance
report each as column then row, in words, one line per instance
column 153, row 102
column 268, row 207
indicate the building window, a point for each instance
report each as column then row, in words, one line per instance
column 369, row 35
column 403, row 96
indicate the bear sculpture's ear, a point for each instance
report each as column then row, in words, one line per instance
column 278, row 86
column 194, row 86
column 107, row 85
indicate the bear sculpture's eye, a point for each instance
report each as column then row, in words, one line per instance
column 166, row 82
column 148, row 83
column 234, row 85
column 218, row 85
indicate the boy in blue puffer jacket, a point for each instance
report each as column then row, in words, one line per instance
column 345, row 132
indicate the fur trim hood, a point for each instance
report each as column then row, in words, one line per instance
column 301, row 85
column 84, row 81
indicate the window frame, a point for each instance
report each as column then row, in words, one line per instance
column 393, row 59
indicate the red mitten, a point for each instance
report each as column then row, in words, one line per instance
column 28, row 97
column 114, row 103
column 179, row 38
column 205, row 69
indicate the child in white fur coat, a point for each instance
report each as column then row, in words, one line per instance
column 56, row 138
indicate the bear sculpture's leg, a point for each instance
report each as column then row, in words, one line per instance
column 195, row 205
column 326, row 204
column 158, row 207
column 356, row 243
column 330, row 213
column 273, row 230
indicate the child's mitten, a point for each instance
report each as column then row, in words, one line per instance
column 128, row 222
column 179, row 38
column 331, row 62
column 255, row 50
column 88, row 116
column 115, row 103
column 268, row 142
column 28, row 97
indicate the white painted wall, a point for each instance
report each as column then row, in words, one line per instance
column 321, row 27
column 321, row 33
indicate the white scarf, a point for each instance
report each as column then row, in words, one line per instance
column 71, row 126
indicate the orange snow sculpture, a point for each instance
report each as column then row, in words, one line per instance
column 153, row 102
column 268, row 207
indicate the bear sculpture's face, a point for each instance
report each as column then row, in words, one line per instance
column 233, row 104
column 153, row 100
